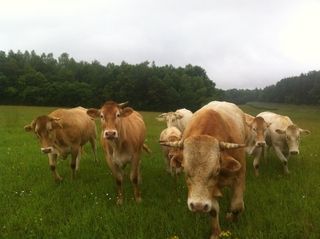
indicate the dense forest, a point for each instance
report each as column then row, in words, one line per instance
column 30, row 79
column 303, row 89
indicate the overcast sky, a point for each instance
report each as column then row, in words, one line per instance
column 240, row 43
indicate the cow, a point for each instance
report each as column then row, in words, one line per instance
column 171, row 154
column 255, row 141
column 64, row 132
column 179, row 118
column 283, row 136
column 214, row 157
column 122, row 139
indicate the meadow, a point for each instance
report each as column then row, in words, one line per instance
column 32, row 205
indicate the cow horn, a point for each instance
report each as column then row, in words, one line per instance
column 121, row 105
column 175, row 144
column 162, row 115
column 225, row 145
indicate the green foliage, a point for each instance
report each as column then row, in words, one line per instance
column 29, row 79
column 303, row 89
column 34, row 206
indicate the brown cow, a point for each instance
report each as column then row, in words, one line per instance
column 256, row 138
column 64, row 132
column 212, row 160
column 122, row 137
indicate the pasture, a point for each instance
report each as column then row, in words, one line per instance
column 34, row 206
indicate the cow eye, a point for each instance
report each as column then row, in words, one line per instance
column 118, row 114
column 254, row 129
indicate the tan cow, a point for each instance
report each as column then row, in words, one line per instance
column 255, row 141
column 213, row 157
column 171, row 154
column 284, row 136
column 122, row 139
column 64, row 132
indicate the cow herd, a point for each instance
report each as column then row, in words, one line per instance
column 209, row 146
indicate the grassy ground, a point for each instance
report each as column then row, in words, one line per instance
column 33, row 206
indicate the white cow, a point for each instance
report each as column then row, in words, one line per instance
column 178, row 119
column 257, row 130
column 283, row 135
column 171, row 154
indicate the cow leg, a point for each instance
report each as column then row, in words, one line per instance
column 135, row 177
column 257, row 153
column 237, row 204
column 282, row 158
column 73, row 164
column 78, row 159
column 52, row 163
column 117, row 173
column 94, row 149
column 215, row 225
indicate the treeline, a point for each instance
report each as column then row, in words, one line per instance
column 30, row 79
column 303, row 89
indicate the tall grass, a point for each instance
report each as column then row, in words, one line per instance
column 32, row 205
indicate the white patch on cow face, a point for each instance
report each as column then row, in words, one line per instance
column 201, row 166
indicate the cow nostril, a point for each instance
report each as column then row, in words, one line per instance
column 294, row 152
column 192, row 206
column 206, row 207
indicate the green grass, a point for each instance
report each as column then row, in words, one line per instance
column 32, row 205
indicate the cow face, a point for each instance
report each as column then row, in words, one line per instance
column 170, row 118
column 110, row 115
column 202, row 163
column 44, row 127
column 259, row 129
column 292, row 134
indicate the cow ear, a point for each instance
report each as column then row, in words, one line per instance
column 229, row 164
column 126, row 112
column 28, row 128
column 94, row 113
column 280, row 131
column 304, row 131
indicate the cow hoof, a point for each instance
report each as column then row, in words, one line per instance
column 138, row 200
column 214, row 237
column 231, row 217
column 119, row 201
column 58, row 179
column 286, row 172
column 256, row 173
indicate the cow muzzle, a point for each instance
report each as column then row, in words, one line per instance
column 47, row 150
column 110, row 134
column 261, row 143
column 294, row 152
column 197, row 206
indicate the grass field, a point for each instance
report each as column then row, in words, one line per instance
column 32, row 205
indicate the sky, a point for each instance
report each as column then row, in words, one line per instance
column 240, row 43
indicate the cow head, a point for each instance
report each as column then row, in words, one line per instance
column 292, row 134
column 258, row 128
column 170, row 118
column 44, row 127
column 203, row 163
column 110, row 115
